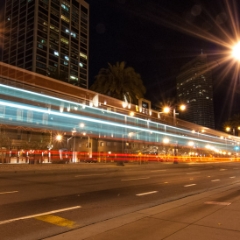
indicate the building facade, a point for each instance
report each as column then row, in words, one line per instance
column 194, row 87
column 50, row 37
column 44, row 124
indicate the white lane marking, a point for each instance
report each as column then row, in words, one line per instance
column 134, row 179
column 1, row 193
column 164, row 170
column 223, row 169
column 39, row 214
column 189, row 185
column 208, row 176
column 215, row 180
column 193, row 173
column 89, row 175
column 146, row 193
column 232, row 177
column 218, row 203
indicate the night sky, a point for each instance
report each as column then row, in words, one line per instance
column 146, row 35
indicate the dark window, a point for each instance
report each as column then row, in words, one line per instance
column 84, row 10
column 30, row 15
column 42, row 16
column 54, row 18
column 20, row 61
column 40, row 9
column 75, row 3
column 39, row 58
column 20, row 55
column 29, row 52
column 44, row 35
column 28, row 58
column 44, row 54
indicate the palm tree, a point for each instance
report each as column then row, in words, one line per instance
column 120, row 82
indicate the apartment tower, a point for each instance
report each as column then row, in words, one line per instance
column 194, row 87
column 49, row 37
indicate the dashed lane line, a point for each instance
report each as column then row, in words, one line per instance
column 134, row 179
column 2, row 193
column 39, row 214
column 89, row 175
column 146, row 193
column 215, row 180
column 218, row 203
column 189, row 185
column 193, row 173
column 163, row 170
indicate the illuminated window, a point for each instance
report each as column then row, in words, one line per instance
column 65, row 18
column 56, row 53
column 73, row 34
column 54, row 28
column 64, row 40
column 65, row 7
column 80, row 64
column 83, row 55
column 40, row 46
column 74, row 78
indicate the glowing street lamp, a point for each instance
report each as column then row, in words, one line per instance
column 166, row 110
column 59, row 137
column 182, row 107
column 236, row 51
column 233, row 129
column 165, row 140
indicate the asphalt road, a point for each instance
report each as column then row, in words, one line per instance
column 41, row 201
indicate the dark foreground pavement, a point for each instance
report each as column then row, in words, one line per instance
column 209, row 215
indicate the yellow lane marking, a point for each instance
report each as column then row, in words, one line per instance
column 59, row 221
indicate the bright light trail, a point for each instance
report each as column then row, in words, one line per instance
column 68, row 116
column 26, row 94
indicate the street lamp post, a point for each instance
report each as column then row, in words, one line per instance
column 233, row 130
column 167, row 110
column 182, row 108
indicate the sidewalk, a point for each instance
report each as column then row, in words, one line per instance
column 211, row 215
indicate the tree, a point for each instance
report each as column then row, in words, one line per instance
column 120, row 82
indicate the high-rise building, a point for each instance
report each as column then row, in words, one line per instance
column 49, row 37
column 194, row 87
